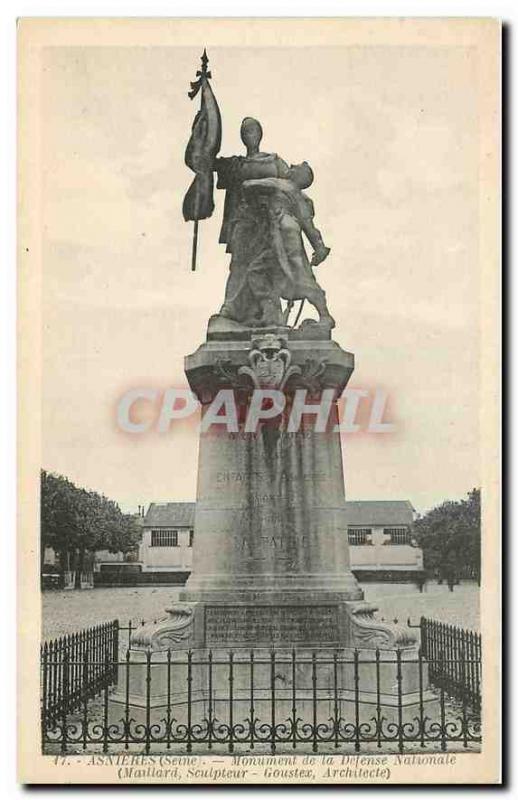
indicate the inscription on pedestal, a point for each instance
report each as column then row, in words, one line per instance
column 266, row 624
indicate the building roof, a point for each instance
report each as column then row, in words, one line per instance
column 359, row 512
column 379, row 512
column 170, row 515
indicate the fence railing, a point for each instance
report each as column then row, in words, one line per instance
column 76, row 667
column 455, row 659
column 281, row 700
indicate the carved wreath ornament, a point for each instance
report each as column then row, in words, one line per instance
column 269, row 363
column 269, row 367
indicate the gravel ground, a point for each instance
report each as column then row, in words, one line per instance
column 66, row 612
column 460, row 607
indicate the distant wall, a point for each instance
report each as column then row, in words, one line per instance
column 379, row 554
column 134, row 575
column 166, row 558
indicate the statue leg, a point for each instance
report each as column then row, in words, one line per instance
column 317, row 297
column 249, row 296
column 261, row 284
column 236, row 295
column 301, row 282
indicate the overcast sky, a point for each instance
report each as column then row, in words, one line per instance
column 392, row 136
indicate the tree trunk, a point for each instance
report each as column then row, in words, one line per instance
column 61, row 557
column 79, row 561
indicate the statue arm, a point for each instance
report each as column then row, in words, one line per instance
column 283, row 169
column 268, row 185
column 312, row 233
column 219, row 164
column 226, row 168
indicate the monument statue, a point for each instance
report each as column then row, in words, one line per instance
column 266, row 212
column 270, row 551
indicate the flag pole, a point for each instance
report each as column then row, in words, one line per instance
column 194, row 246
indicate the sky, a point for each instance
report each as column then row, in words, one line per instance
column 392, row 135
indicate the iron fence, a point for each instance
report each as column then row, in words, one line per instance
column 278, row 700
column 77, row 666
column 454, row 655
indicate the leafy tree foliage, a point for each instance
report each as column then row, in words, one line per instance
column 449, row 535
column 75, row 522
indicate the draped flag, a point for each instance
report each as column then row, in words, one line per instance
column 201, row 151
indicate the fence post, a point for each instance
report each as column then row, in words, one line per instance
column 105, row 708
column 424, row 640
column 464, row 697
column 78, row 670
column 168, row 720
column 294, row 723
column 210, row 709
column 356, row 701
column 95, row 654
column 469, row 665
column 126, row 701
column 51, row 695
column 44, row 654
column 148, row 699
column 85, row 696
column 421, row 699
column 432, row 652
column 479, row 670
column 442, row 704
column 399, row 679
column 115, row 652
column 189, row 700
column 252, row 706
column 64, row 701
column 72, row 680
column 335, row 698
column 272, row 692
column 315, row 717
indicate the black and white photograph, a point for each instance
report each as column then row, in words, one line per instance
column 259, row 466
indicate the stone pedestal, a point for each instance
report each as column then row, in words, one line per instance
column 271, row 556
column 270, row 560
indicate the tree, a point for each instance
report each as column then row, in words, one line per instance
column 449, row 535
column 76, row 522
column 58, row 518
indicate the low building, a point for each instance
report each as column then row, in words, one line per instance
column 167, row 538
column 164, row 554
column 381, row 543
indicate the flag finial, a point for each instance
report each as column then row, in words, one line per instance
column 201, row 74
